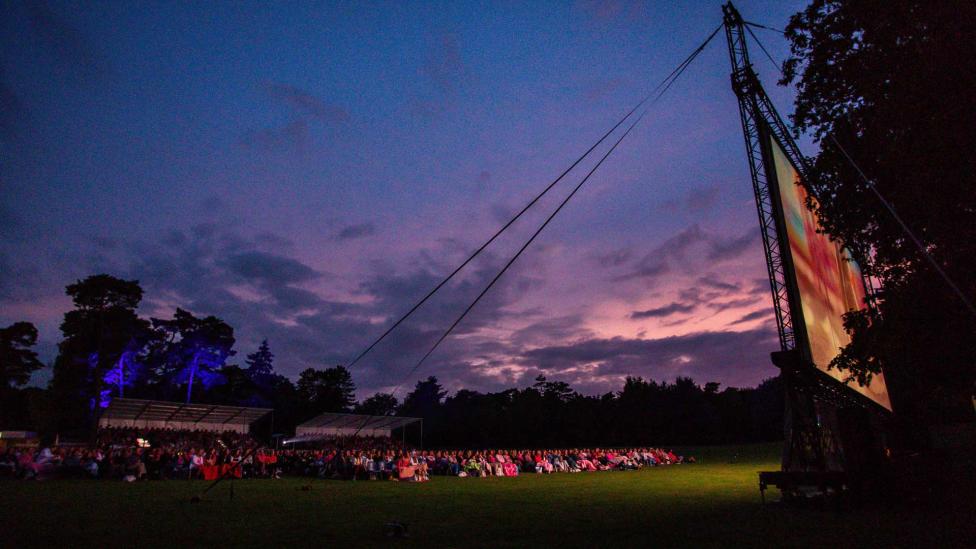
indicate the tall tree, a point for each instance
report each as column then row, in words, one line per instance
column 426, row 397
column 261, row 362
column 329, row 390
column 380, row 404
column 17, row 360
column 194, row 349
column 553, row 390
column 97, row 332
column 892, row 82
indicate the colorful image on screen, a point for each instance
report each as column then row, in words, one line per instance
column 828, row 280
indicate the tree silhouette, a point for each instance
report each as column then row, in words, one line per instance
column 380, row 404
column 261, row 362
column 17, row 360
column 894, row 87
column 329, row 390
column 194, row 349
column 97, row 332
column 425, row 399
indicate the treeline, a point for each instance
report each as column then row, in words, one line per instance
column 108, row 351
column 552, row 414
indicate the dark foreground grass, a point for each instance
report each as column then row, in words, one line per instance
column 712, row 504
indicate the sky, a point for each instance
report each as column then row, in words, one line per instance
column 307, row 171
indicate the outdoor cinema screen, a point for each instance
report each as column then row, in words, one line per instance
column 828, row 281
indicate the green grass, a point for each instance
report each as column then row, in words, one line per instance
column 711, row 504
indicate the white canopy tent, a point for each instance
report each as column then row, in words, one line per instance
column 159, row 414
column 330, row 424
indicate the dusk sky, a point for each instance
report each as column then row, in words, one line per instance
column 307, row 173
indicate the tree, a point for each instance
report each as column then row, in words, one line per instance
column 425, row 398
column 194, row 349
column 17, row 360
column 558, row 390
column 894, row 87
column 380, row 404
column 101, row 328
column 236, row 388
column 329, row 390
column 260, row 362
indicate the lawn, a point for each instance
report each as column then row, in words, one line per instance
column 712, row 504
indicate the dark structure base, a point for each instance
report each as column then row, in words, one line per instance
column 791, row 483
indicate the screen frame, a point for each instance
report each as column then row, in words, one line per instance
column 800, row 335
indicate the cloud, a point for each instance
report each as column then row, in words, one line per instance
column 293, row 136
column 702, row 199
column 482, row 180
column 9, row 219
column 11, row 108
column 303, row 103
column 665, row 311
column 446, row 73
column 604, row 12
column 444, row 65
column 560, row 328
column 739, row 358
column 360, row 230
column 69, row 48
column 304, row 109
column 266, row 268
column 658, row 261
column 596, row 91
column 711, row 281
column 732, row 304
column 675, row 251
column 762, row 314
column 760, row 286
column 722, row 249
column 613, row 258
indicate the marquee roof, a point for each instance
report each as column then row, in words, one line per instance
column 329, row 421
column 160, row 410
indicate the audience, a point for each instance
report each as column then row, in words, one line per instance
column 134, row 454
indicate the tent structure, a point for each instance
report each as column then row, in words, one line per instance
column 159, row 414
column 329, row 424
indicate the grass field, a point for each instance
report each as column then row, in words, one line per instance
column 711, row 504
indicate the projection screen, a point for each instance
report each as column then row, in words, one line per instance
column 828, row 282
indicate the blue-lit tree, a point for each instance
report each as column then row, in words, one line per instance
column 125, row 372
column 194, row 349
column 97, row 332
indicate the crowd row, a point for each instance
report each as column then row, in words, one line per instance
column 132, row 455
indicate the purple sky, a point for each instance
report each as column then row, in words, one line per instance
column 307, row 173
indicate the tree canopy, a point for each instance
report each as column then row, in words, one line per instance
column 328, row 390
column 892, row 83
column 380, row 404
column 194, row 349
column 17, row 360
column 261, row 362
column 97, row 333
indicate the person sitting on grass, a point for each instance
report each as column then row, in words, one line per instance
column 585, row 464
column 542, row 465
column 401, row 466
column 420, row 469
column 472, row 468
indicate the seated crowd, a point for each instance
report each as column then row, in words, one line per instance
column 165, row 454
column 134, row 454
